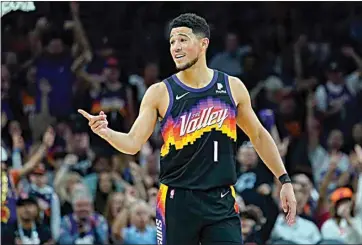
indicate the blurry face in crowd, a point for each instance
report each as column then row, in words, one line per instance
column 14, row 128
column 4, row 167
column 82, row 208
column 287, row 106
column 231, row 42
column 151, row 73
column 40, row 180
column 247, row 157
column 186, row 48
column 140, row 215
column 56, row 46
column 304, row 181
column 117, row 203
column 335, row 139
column 63, row 129
column 112, row 74
column 335, row 77
column 102, row 164
column 249, row 63
column 27, row 212
column 78, row 187
column 247, row 226
column 31, row 74
column 357, row 132
column 80, row 142
column 105, row 182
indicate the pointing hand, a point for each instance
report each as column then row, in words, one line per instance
column 98, row 124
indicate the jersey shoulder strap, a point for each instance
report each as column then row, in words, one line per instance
column 224, row 83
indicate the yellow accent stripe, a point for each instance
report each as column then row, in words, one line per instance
column 233, row 193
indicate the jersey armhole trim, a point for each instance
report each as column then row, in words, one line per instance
column 229, row 90
column 170, row 103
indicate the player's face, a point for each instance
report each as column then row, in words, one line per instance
column 186, row 47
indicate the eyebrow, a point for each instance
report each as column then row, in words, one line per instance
column 180, row 34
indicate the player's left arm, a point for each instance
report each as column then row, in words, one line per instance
column 263, row 144
column 250, row 124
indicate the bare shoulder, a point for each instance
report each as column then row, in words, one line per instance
column 238, row 90
column 155, row 94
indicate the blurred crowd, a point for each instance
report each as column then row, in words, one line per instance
column 61, row 184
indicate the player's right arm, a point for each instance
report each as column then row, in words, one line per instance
column 131, row 143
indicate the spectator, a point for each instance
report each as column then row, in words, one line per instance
column 335, row 143
column 254, row 181
column 48, row 201
column 230, row 60
column 251, row 222
column 115, row 99
column 11, row 177
column 140, row 230
column 26, row 230
column 346, row 220
column 333, row 97
column 115, row 204
column 83, row 226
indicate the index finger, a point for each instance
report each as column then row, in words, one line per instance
column 85, row 114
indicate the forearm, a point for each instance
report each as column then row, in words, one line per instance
column 268, row 152
column 123, row 142
column 358, row 61
column 34, row 160
column 55, row 217
column 16, row 159
column 81, row 36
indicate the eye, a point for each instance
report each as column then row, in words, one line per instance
column 183, row 40
column 172, row 42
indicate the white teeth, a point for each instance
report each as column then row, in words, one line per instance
column 179, row 56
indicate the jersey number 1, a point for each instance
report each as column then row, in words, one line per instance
column 216, row 155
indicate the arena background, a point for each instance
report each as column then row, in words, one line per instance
column 301, row 62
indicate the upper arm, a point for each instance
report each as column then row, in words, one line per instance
column 145, row 122
column 246, row 117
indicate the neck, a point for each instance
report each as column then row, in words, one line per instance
column 197, row 76
column 26, row 224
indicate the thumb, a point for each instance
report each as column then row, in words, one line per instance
column 85, row 114
column 101, row 113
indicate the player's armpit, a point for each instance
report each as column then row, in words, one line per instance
column 144, row 124
column 250, row 124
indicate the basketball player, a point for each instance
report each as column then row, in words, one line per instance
column 199, row 109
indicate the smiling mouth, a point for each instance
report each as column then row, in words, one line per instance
column 179, row 56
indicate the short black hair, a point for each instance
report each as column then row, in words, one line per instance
column 196, row 23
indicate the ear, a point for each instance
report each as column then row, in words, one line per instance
column 205, row 43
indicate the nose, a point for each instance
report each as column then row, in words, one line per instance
column 177, row 47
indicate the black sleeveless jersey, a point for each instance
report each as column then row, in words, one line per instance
column 199, row 133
